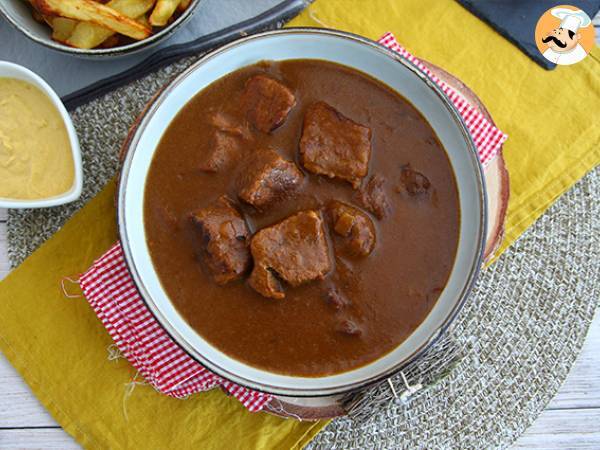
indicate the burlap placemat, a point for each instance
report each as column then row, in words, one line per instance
column 503, row 360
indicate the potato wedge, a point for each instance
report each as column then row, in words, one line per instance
column 183, row 5
column 62, row 28
column 46, row 19
column 90, row 11
column 90, row 35
column 37, row 16
column 162, row 12
column 113, row 41
column 143, row 19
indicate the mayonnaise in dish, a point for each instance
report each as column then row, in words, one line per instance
column 36, row 159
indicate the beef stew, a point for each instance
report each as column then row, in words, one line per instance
column 349, row 208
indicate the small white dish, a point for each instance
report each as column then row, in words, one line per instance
column 10, row 70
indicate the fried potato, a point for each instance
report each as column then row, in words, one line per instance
column 143, row 19
column 90, row 35
column 90, row 11
column 62, row 28
column 183, row 5
column 112, row 41
column 37, row 16
column 46, row 19
column 162, row 12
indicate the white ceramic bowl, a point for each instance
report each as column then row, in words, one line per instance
column 10, row 70
column 363, row 55
column 18, row 13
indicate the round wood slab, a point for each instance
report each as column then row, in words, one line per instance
column 496, row 177
column 497, row 184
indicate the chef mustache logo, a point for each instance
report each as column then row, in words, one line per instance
column 564, row 35
column 558, row 42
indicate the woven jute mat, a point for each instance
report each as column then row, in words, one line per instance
column 502, row 361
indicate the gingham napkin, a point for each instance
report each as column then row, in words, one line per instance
column 110, row 290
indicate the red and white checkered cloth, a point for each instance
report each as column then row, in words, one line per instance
column 488, row 139
column 110, row 290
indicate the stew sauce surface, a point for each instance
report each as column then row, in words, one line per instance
column 387, row 293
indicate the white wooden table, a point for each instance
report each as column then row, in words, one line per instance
column 571, row 420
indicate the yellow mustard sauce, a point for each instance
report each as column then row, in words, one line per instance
column 35, row 153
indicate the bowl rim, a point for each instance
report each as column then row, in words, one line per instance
column 121, row 50
column 473, row 272
column 74, row 192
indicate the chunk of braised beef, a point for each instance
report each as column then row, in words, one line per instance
column 415, row 183
column 229, row 125
column 225, row 237
column 266, row 282
column 224, row 149
column 269, row 178
column 225, row 142
column 334, row 145
column 372, row 196
column 266, row 102
column 354, row 226
column 294, row 250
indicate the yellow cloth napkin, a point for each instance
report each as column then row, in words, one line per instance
column 59, row 346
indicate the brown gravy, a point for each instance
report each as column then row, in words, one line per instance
column 389, row 292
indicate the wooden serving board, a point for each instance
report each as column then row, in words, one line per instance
column 497, row 184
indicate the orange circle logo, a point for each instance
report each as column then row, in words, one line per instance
column 564, row 35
